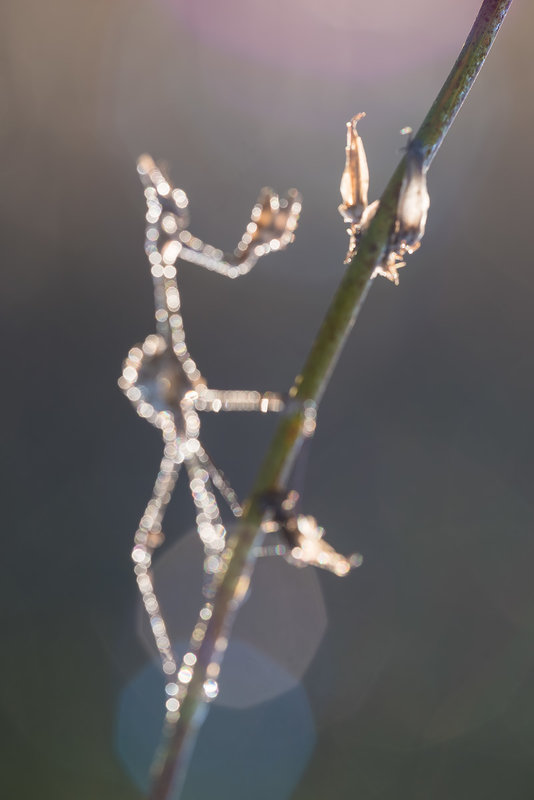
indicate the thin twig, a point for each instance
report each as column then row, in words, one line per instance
column 309, row 387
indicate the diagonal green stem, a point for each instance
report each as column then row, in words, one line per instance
column 309, row 387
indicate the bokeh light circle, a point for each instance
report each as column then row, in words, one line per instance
column 277, row 631
column 259, row 752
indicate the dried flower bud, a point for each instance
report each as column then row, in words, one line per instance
column 412, row 212
column 355, row 179
column 414, row 201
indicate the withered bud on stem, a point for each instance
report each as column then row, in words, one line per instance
column 412, row 207
column 355, row 179
column 414, row 201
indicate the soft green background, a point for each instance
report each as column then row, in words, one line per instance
column 423, row 458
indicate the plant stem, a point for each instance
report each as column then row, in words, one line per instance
column 309, row 387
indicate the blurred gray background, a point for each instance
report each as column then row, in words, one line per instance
column 423, row 685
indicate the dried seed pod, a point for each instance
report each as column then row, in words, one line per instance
column 413, row 204
column 412, row 212
column 355, row 179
